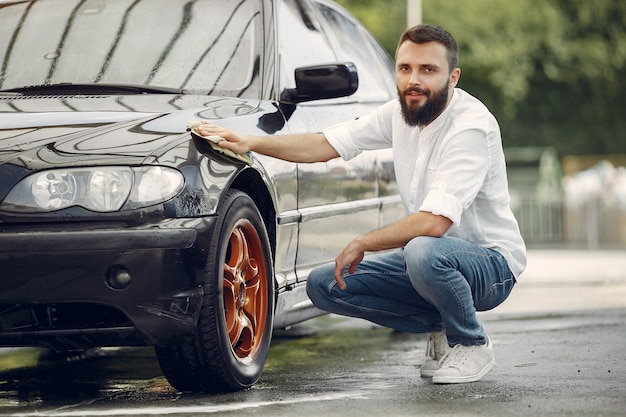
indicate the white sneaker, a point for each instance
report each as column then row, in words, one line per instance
column 465, row 364
column 436, row 348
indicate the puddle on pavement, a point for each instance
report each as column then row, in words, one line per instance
column 326, row 347
column 326, row 352
column 31, row 376
column 339, row 353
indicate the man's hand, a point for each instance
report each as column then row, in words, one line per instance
column 238, row 143
column 351, row 255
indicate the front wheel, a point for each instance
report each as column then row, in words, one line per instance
column 230, row 346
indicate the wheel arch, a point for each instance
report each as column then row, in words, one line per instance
column 250, row 182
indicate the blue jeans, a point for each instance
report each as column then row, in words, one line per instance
column 431, row 284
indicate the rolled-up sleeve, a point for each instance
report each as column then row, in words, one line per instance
column 366, row 133
column 340, row 138
column 441, row 203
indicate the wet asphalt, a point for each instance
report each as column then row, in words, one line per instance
column 559, row 341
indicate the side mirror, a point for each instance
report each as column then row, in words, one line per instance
column 323, row 82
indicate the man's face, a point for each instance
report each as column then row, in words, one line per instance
column 424, row 81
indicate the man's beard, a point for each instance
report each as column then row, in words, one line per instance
column 423, row 115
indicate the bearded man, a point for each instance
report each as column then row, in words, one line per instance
column 458, row 250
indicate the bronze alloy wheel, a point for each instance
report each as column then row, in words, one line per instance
column 234, row 330
column 245, row 291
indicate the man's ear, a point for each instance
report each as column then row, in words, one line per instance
column 454, row 77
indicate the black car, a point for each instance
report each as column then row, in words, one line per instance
column 118, row 227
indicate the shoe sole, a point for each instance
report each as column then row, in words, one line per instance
column 464, row 379
column 428, row 373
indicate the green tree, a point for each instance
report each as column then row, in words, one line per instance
column 386, row 20
column 552, row 71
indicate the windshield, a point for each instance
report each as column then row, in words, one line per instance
column 200, row 46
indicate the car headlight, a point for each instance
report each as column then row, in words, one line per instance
column 101, row 189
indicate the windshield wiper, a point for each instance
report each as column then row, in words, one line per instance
column 71, row 88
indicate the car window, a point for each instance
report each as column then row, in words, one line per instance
column 372, row 64
column 204, row 46
column 302, row 40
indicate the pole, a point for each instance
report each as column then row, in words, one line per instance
column 413, row 12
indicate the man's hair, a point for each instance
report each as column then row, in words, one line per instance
column 432, row 33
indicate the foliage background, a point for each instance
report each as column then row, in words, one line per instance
column 552, row 71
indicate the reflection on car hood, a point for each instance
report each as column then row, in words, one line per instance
column 101, row 128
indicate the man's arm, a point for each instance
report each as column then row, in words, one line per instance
column 306, row 147
column 395, row 235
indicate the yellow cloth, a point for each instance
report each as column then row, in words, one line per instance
column 213, row 141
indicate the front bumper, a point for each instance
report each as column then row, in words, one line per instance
column 96, row 240
column 56, row 288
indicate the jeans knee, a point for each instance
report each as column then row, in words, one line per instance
column 421, row 246
column 318, row 284
column 420, row 256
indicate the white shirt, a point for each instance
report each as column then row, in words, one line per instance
column 453, row 167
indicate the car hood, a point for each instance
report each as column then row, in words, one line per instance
column 79, row 130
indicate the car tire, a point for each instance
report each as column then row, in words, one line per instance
column 232, row 339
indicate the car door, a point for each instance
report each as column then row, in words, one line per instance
column 337, row 200
column 377, row 81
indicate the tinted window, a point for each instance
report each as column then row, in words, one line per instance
column 375, row 80
column 302, row 40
